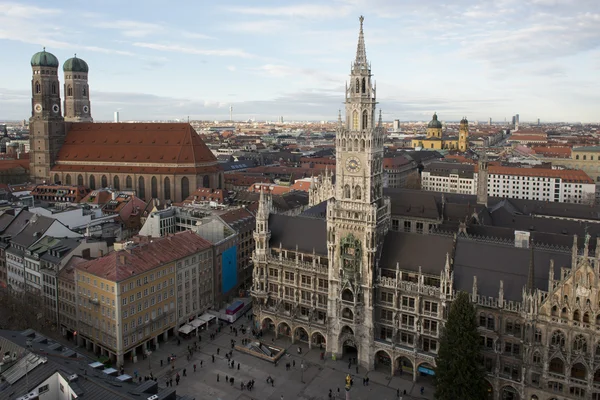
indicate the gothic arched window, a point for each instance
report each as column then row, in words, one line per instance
column 185, row 188
column 84, row 91
column 344, row 144
column 56, row 178
column 355, row 144
column 80, row 180
column 93, row 182
column 354, row 120
column 365, row 119
column 167, row 188
column 38, row 88
column 357, row 193
column 68, row 179
column 141, row 188
column 558, row 339
column 53, row 87
column 69, row 91
column 363, row 87
column 154, row 187
column 580, row 344
column 347, row 191
column 104, row 181
column 129, row 182
column 116, row 183
column 206, row 181
column 362, row 145
column 357, row 86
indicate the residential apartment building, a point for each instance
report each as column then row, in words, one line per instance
column 67, row 298
column 127, row 300
column 566, row 186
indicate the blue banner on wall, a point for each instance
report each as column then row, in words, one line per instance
column 426, row 371
column 228, row 269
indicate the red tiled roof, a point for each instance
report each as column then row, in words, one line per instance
column 120, row 265
column 269, row 188
column 206, row 194
column 553, row 151
column 118, row 146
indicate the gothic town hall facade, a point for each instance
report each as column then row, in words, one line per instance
column 370, row 274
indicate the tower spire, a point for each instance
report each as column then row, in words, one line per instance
column 361, row 52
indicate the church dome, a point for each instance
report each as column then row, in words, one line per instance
column 434, row 123
column 75, row 65
column 44, row 59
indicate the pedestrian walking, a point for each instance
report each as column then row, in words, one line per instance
column 213, row 358
column 184, row 370
column 194, row 367
column 201, row 362
column 422, row 390
column 238, row 366
column 217, row 377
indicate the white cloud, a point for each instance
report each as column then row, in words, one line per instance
column 256, row 26
column 193, row 50
column 297, row 11
column 194, row 35
column 231, row 68
column 129, row 28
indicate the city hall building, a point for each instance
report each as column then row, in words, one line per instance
column 372, row 274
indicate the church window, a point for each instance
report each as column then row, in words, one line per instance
column 357, row 85
column 580, row 344
column 362, row 145
column 554, row 311
column 586, row 317
column 537, row 358
column 185, row 188
column 347, row 295
column 167, row 188
column 129, row 182
column 84, row 91
column 344, row 144
column 538, row 336
column 347, row 191
column 38, row 88
column 80, row 180
column 365, row 119
column 558, row 339
column 576, row 157
column 56, row 178
column 154, row 188
column 363, row 87
column 141, row 188
column 355, row 144
column 576, row 316
column 53, row 87
column 68, row 179
column 69, row 91
column 206, row 181
column 354, row 120
column 93, row 182
column 116, row 183
column 104, row 181
column 357, row 193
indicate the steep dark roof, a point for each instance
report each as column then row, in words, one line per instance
column 492, row 262
column 413, row 203
column 412, row 250
column 292, row 231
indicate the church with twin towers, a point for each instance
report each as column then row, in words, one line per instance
column 369, row 275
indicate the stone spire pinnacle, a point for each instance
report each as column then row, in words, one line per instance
column 361, row 52
column 531, row 275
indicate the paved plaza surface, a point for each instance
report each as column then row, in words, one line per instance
column 319, row 376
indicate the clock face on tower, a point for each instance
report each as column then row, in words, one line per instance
column 38, row 108
column 85, row 109
column 353, row 164
column 55, row 108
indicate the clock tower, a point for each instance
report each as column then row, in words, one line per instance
column 358, row 217
column 46, row 125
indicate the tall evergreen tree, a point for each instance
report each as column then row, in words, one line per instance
column 459, row 373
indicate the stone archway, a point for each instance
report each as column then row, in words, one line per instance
column 318, row 339
column 509, row 393
column 404, row 365
column 301, row 334
column 349, row 346
column 283, row 329
column 267, row 325
column 383, row 361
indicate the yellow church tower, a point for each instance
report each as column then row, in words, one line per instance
column 463, row 135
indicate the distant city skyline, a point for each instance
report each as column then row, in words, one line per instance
column 479, row 59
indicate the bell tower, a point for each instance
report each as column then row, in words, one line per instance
column 358, row 217
column 463, row 135
column 77, row 91
column 46, row 125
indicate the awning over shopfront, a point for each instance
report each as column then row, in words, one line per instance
column 186, row 329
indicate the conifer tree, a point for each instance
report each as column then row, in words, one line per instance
column 459, row 373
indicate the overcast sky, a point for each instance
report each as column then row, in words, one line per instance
column 153, row 59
